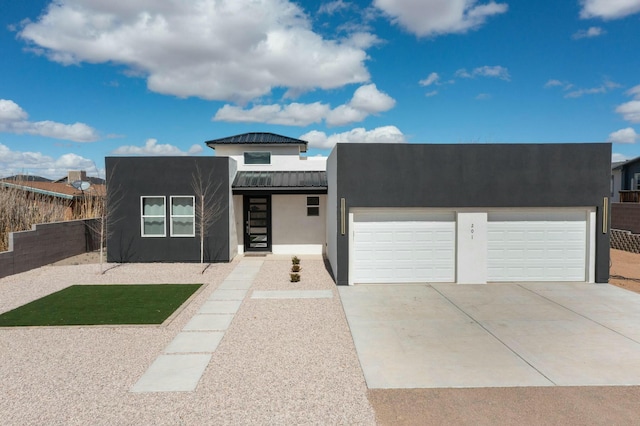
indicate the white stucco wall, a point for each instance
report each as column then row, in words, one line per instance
column 332, row 213
column 283, row 157
column 471, row 234
column 239, row 221
column 293, row 232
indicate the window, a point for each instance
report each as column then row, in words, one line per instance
column 635, row 183
column 612, row 185
column 153, row 216
column 257, row 158
column 313, row 206
column 183, row 218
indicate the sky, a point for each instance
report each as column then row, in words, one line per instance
column 84, row 79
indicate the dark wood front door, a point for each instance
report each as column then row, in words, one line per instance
column 257, row 222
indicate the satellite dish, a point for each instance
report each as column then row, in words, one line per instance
column 81, row 185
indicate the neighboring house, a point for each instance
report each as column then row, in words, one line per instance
column 381, row 213
column 625, row 181
column 42, row 190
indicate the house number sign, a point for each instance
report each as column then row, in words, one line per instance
column 472, row 231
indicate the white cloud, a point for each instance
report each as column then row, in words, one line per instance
column 634, row 91
column 433, row 78
column 332, row 7
column 38, row 164
column 13, row 119
column 343, row 115
column 11, row 112
column 617, row 157
column 627, row 135
column 630, row 111
column 294, row 114
column 432, row 93
column 436, row 17
column 369, row 99
column 483, row 96
column 553, row 83
column 385, row 134
column 605, row 87
column 366, row 100
column 589, row 33
column 234, row 50
column 485, row 71
column 153, row 148
column 608, row 9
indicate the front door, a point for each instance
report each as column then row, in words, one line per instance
column 257, row 222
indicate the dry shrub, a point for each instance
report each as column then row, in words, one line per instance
column 20, row 210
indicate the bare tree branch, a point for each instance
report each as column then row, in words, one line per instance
column 207, row 209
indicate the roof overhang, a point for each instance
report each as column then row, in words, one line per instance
column 38, row 191
column 282, row 182
column 258, row 138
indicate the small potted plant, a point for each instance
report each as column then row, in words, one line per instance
column 295, row 268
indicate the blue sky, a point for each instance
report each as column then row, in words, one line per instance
column 85, row 79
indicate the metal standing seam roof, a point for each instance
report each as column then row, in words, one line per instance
column 258, row 139
column 620, row 164
column 54, row 189
column 280, row 180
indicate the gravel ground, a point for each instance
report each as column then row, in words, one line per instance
column 280, row 362
column 625, row 270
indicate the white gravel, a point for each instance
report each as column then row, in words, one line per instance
column 280, row 362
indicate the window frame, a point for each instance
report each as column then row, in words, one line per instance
column 313, row 205
column 244, row 158
column 144, row 216
column 172, row 216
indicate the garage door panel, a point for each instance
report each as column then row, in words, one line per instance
column 537, row 246
column 404, row 249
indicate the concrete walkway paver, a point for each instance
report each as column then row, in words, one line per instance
column 173, row 373
column 209, row 322
column 228, row 295
column 220, row 307
column 184, row 360
column 292, row 294
column 195, row 342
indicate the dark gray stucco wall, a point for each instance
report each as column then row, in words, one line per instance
column 468, row 175
column 47, row 243
column 129, row 178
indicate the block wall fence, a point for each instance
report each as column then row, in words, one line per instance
column 625, row 227
column 48, row 243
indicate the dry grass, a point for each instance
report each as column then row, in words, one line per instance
column 20, row 210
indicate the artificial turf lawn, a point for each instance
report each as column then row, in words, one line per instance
column 102, row 304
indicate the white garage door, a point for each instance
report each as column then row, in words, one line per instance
column 403, row 247
column 537, row 246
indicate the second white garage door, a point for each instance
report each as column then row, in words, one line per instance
column 537, row 246
column 403, row 247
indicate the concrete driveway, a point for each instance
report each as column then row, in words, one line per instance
column 496, row 335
